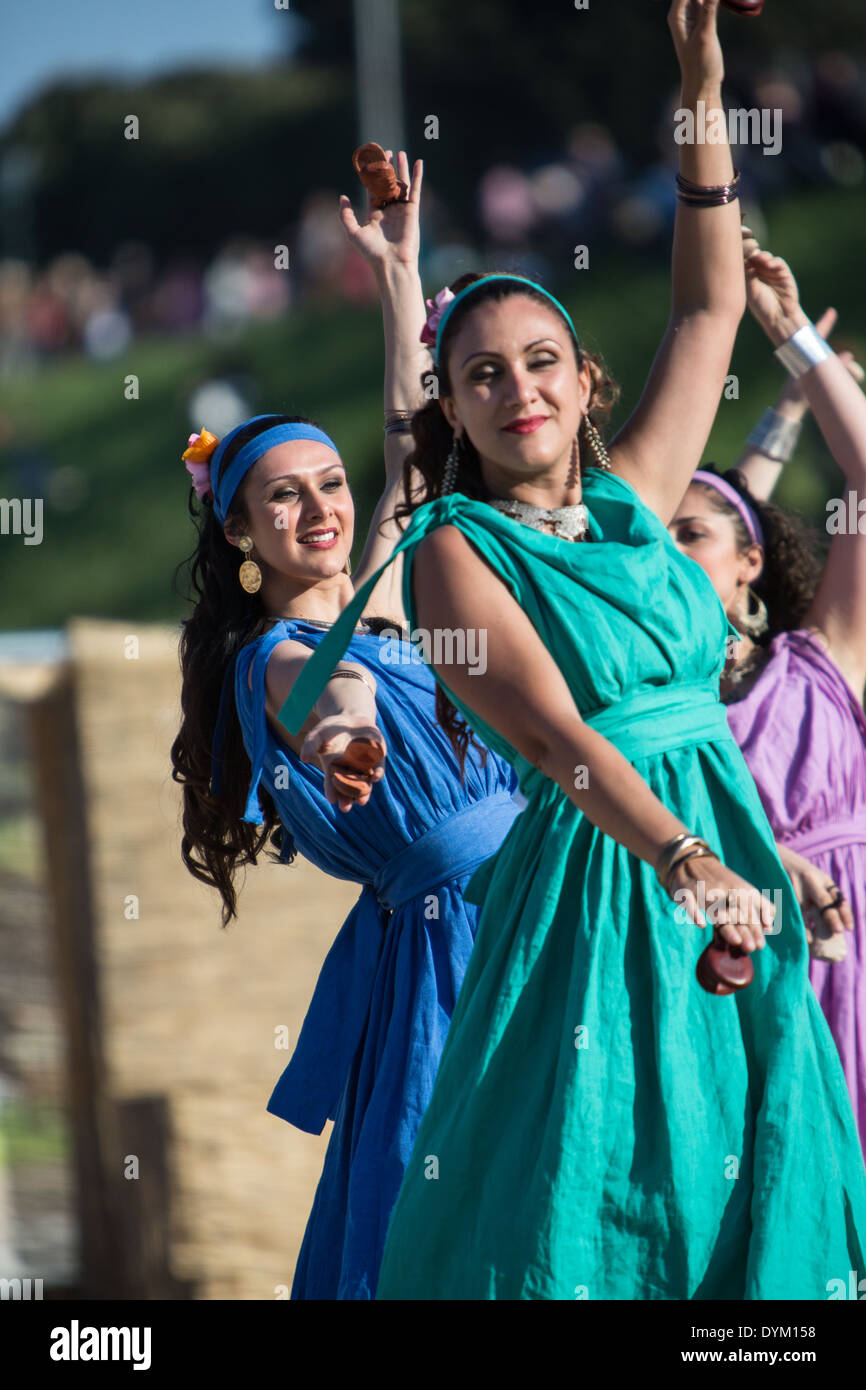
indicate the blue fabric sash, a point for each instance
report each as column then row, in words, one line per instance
column 307, row 1093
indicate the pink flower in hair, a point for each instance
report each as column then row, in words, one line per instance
column 436, row 309
column 196, row 461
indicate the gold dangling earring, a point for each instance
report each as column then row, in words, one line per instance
column 249, row 573
column 757, row 620
column 348, row 566
column 596, row 444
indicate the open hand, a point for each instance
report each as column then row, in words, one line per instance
column 694, row 31
column 771, row 291
column 391, row 233
column 815, row 891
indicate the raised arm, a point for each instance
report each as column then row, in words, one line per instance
column 389, row 240
column 839, row 407
column 773, row 440
column 524, row 696
column 662, row 442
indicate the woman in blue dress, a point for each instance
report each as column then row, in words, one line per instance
column 370, row 1044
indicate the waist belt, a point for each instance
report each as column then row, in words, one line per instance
column 648, row 722
column 659, row 719
column 850, row 831
column 307, row 1093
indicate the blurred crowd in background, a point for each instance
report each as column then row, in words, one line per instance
column 583, row 193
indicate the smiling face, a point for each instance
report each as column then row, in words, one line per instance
column 300, row 512
column 709, row 536
column 517, row 393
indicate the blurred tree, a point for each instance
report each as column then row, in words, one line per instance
column 229, row 152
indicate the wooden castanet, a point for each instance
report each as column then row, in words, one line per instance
column 723, row 968
column 378, row 176
column 745, row 7
column 351, row 775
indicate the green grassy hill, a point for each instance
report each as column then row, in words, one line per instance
column 114, row 554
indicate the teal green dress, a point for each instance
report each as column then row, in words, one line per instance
column 600, row 1127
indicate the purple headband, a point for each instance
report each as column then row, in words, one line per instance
column 730, row 494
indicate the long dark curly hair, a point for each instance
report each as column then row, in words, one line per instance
column 792, row 564
column 216, row 842
column 432, row 436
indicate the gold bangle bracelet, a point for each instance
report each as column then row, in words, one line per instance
column 696, row 853
column 675, row 850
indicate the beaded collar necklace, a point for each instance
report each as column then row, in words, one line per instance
column 568, row 523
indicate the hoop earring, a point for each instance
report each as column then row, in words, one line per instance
column 596, row 444
column 452, row 464
column 249, row 573
column 757, row 620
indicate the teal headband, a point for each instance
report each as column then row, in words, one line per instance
column 485, row 280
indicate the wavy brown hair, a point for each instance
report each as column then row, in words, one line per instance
column 216, row 842
column 433, row 437
column 792, row 567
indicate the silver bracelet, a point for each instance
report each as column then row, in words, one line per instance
column 775, row 435
column 399, row 427
column 803, row 351
column 352, row 676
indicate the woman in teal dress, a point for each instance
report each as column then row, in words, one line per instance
column 601, row 1127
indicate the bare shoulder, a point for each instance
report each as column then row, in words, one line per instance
column 445, row 542
column 283, row 668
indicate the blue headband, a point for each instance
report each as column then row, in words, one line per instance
column 485, row 280
column 224, row 488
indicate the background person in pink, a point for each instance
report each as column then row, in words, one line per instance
column 794, row 687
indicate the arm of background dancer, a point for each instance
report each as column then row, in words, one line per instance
column 389, row 241
column 662, row 442
column 838, row 610
column 839, row 607
column 762, row 473
column 524, row 696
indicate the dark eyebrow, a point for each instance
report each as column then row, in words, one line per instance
column 293, row 477
column 681, row 520
column 488, row 353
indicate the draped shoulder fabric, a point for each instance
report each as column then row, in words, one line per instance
column 371, row 1041
column 802, row 731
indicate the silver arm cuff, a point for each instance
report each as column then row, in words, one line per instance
column 803, row 351
column 775, row 435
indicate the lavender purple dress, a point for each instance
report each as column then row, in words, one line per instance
column 802, row 732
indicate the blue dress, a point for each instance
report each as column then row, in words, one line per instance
column 370, row 1045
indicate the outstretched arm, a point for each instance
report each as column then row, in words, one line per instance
column 661, row 444
column 389, row 240
column 838, row 611
column 524, row 696
column 340, row 735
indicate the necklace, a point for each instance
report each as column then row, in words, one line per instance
column 568, row 523
column 743, row 668
column 317, row 622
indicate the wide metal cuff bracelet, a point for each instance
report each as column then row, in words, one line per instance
column 803, row 351
column 775, row 435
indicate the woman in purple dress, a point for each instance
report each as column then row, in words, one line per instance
column 794, row 684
